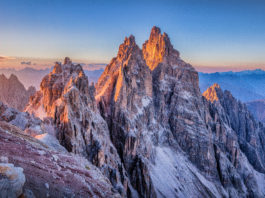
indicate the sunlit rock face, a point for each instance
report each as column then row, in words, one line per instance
column 13, row 92
column 158, row 48
column 66, row 97
column 149, row 111
column 46, row 172
column 171, row 140
column 211, row 93
column 124, row 94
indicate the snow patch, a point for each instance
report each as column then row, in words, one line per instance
column 172, row 171
column 50, row 141
column 146, row 101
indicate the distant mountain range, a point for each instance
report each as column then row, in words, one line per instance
column 28, row 76
column 246, row 85
column 13, row 92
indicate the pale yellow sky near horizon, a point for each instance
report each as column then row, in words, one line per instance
column 19, row 63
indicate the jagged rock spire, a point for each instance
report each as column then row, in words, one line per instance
column 67, row 61
column 158, row 48
column 57, row 68
column 66, row 97
column 126, row 47
column 211, row 93
column 128, row 61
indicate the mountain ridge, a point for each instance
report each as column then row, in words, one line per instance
column 13, row 92
column 174, row 121
column 148, row 129
column 247, row 85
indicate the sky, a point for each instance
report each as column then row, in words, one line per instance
column 209, row 34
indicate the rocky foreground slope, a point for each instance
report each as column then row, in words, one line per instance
column 13, row 92
column 66, row 97
column 145, row 128
column 48, row 173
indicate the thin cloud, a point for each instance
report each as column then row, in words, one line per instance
column 25, row 63
column 3, row 58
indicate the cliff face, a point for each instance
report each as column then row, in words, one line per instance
column 257, row 108
column 66, row 97
column 124, row 93
column 148, row 128
column 48, row 173
column 13, row 92
column 153, row 115
column 158, row 49
column 233, row 113
column 238, row 143
column 167, row 135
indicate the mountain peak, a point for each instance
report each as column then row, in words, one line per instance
column 158, row 48
column 2, row 77
column 155, row 32
column 211, row 94
column 127, row 48
column 13, row 77
column 67, row 61
column 129, row 40
column 57, row 68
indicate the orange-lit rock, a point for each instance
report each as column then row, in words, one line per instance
column 172, row 141
column 210, row 94
column 158, row 48
column 66, row 97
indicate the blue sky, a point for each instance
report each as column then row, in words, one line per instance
column 206, row 32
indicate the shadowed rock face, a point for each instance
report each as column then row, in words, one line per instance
column 257, row 108
column 66, row 97
column 49, row 173
column 13, row 92
column 233, row 113
column 238, row 144
column 159, row 121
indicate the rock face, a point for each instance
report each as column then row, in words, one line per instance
column 233, row 113
column 246, row 85
column 238, row 144
column 124, row 92
column 48, row 173
column 13, row 92
column 66, row 97
column 158, row 49
column 12, row 180
column 42, row 130
column 172, row 141
column 257, row 108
